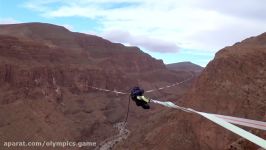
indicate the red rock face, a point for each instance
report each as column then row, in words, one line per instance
column 45, row 74
column 233, row 84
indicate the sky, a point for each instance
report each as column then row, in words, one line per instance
column 171, row 30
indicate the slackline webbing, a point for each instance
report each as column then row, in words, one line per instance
column 225, row 121
column 148, row 91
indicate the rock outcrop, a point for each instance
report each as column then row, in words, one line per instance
column 234, row 84
column 45, row 76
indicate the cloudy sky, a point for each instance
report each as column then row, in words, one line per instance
column 172, row 30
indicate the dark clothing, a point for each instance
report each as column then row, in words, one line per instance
column 136, row 91
column 143, row 104
column 137, row 96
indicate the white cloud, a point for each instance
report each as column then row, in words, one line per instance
column 204, row 24
column 254, row 9
column 151, row 44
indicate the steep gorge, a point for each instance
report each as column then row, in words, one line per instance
column 45, row 76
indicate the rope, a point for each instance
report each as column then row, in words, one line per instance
column 106, row 90
column 224, row 121
column 127, row 110
column 172, row 85
column 148, row 91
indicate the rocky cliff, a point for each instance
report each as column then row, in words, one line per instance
column 45, row 76
column 234, row 84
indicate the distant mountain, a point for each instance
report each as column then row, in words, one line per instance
column 46, row 74
column 184, row 66
column 38, row 41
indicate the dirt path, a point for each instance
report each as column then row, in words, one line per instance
column 109, row 143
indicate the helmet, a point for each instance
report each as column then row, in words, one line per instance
column 136, row 91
